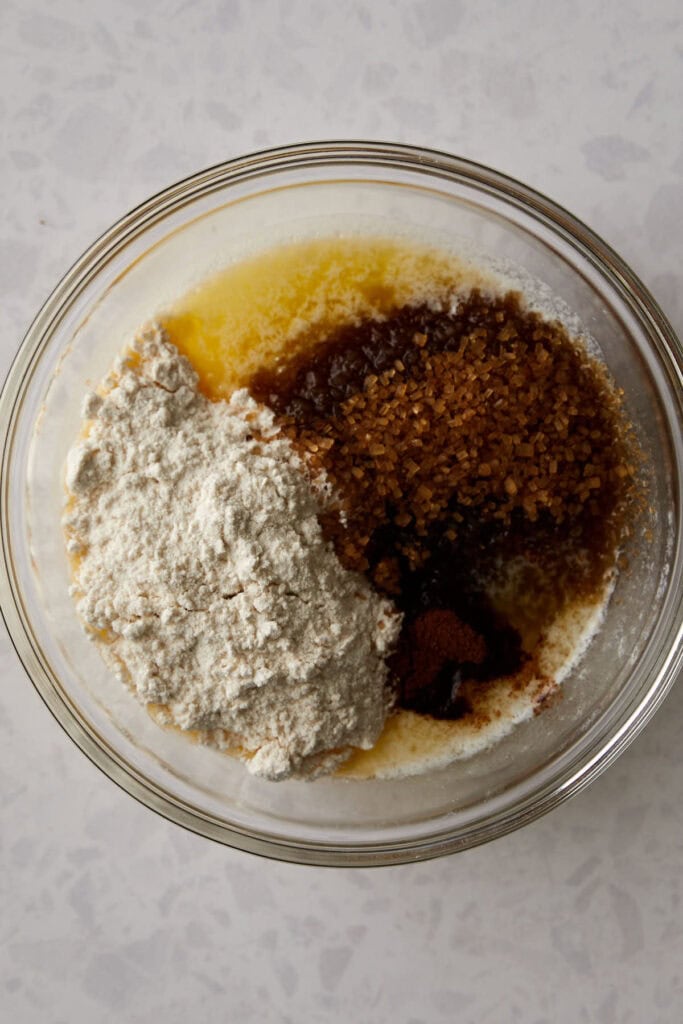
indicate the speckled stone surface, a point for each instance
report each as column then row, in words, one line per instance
column 110, row 913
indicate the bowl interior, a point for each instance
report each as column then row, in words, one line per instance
column 155, row 258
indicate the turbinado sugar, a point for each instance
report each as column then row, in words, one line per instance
column 433, row 417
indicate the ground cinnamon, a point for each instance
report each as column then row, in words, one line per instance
column 435, row 639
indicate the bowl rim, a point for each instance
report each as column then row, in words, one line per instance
column 306, row 155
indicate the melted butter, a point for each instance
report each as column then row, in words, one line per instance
column 407, row 739
column 254, row 312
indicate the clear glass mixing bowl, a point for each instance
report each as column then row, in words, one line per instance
column 155, row 254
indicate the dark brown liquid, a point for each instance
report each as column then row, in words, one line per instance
column 461, row 442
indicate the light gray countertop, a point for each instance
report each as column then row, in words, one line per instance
column 110, row 913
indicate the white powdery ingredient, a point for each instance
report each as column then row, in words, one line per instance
column 201, row 558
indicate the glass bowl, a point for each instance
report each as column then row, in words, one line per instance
column 155, row 254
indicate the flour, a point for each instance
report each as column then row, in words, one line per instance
column 200, row 565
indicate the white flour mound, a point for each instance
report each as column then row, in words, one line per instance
column 200, row 564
